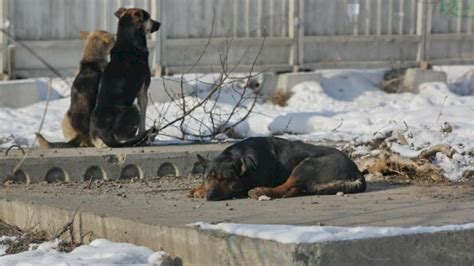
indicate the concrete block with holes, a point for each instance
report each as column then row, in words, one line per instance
column 121, row 163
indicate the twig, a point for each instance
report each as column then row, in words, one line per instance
column 89, row 185
column 338, row 126
column 14, row 146
column 66, row 227
column 441, row 110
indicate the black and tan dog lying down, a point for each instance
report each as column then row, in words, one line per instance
column 277, row 168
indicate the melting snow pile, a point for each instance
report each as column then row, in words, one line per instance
column 99, row 251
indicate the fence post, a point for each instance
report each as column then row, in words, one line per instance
column 158, row 13
column 296, row 33
column 423, row 29
column 3, row 38
column 155, row 14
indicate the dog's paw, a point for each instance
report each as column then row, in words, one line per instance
column 255, row 193
column 197, row 193
column 201, row 193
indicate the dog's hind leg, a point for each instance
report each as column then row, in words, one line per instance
column 126, row 123
column 142, row 99
column 69, row 132
column 285, row 190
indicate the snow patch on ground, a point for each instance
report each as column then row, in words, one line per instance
column 99, row 251
column 287, row 234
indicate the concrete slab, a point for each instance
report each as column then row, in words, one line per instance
column 173, row 85
column 154, row 214
column 20, row 93
column 415, row 76
column 164, row 201
column 288, row 80
column 269, row 84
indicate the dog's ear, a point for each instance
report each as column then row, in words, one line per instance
column 119, row 13
column 84, row 34
column 106, row 38
column 203, row 161
column 243, row 164
column 138, row 18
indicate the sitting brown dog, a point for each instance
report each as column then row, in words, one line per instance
column 75, row 125
column 277, row 168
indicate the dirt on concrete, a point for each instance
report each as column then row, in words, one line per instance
column 164, row 201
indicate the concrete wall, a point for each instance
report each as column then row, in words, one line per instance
column 299, row 33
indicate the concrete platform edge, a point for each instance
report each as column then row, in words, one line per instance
column 201, row 247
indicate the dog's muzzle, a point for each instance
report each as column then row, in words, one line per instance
column 212, row 194
column 155, row 26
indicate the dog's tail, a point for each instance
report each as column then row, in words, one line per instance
column 345, row 186
column 45, row 144
column 141, row 139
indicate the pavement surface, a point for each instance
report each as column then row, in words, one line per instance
column 163, row 201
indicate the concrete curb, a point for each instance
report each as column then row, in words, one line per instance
column 86, row 163
column 21, row 93
column 201, row 247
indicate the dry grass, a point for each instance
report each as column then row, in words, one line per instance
column 280, row 98
column 24, row 240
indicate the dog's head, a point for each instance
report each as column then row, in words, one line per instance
column 98, row 43
column 139, row 18
column 223, row 176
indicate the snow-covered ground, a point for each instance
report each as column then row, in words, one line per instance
column 315, row 234
column 99, row 251
column 346, row 105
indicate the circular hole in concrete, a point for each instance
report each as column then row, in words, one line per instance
column 55, row 174
column 131, row 171
column 95, row 173
column 198, row 168
column 167, row 169
column 20, row 177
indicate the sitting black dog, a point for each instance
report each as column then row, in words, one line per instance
column 115, row 118
column 277, row 168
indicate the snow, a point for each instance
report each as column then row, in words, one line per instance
column 346, row 105
column 99, row 251
column 3, row 248
column 287, row 234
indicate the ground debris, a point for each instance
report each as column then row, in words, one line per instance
column 390, row 164
column 20, row 241
column 381, row 161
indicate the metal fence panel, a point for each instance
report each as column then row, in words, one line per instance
column 297, row 33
